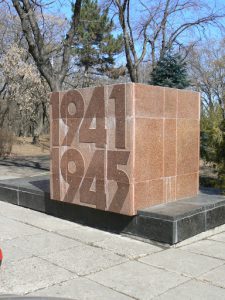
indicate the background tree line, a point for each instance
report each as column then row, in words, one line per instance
column 175, row 43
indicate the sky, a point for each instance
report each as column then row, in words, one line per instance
column 64, row 7
column 138, row 14
column 66, row 4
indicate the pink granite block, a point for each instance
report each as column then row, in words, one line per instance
column 187, row 146
column 188, row 105
column 171, row 102
column 148, row 161
column 124, row 147
column 169, row 147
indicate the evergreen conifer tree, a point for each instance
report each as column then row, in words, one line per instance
column 170, row 71
column 96, row 47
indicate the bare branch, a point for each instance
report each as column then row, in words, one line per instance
column 39, row 48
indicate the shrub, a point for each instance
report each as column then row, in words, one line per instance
column 6, row 142
column 213, row 142
column 211, row 134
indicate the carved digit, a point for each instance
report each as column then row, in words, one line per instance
column 72, row 177
column 71, row 117
column 118, row 158
column 94, row 174
column 118, row 94
column 95, row 112
column 55, row 173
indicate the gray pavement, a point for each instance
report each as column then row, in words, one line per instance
column 46, row 256
column 19, row 167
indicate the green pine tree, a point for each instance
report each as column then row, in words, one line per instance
column 96, row 47
column 170, row 71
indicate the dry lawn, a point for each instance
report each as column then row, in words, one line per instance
column 23, row 146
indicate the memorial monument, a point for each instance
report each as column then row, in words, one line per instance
column 124, row 147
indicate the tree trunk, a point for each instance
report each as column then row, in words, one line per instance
column 38, row 125
column 27, row 12
column 36, row 140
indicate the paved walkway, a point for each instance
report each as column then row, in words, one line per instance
column 18, row 167
column 46, row 256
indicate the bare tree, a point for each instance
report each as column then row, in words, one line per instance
column 166, row 24
column 24, row 90
column 28, row 12
column 207, row 70
column 132, row 56
column 173, row 20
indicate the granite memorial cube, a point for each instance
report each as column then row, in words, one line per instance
column 124, row 147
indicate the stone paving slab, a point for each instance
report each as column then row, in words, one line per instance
column 47, row 256
column 38, row 185
column 80, row 289
column 85, row 234
column 186, row 263
column 138, row 280
column 194, row 290
column 219, row 237
column 37, row 161
column 216, row 277
column 207, row 247
column 17, row 167
column 10, row 229
column 12, row 252
column 27, row 275
column 11, row 173
column 46, row 243
column 127, row 247
column 36, row 218
column 84, row 260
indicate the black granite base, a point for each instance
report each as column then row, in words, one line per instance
column 168, row 223
column 185, row 218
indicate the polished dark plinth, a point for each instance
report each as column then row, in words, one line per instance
column 168, row 223
column 174, row 222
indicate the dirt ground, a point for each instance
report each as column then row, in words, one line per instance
column 23, row 146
